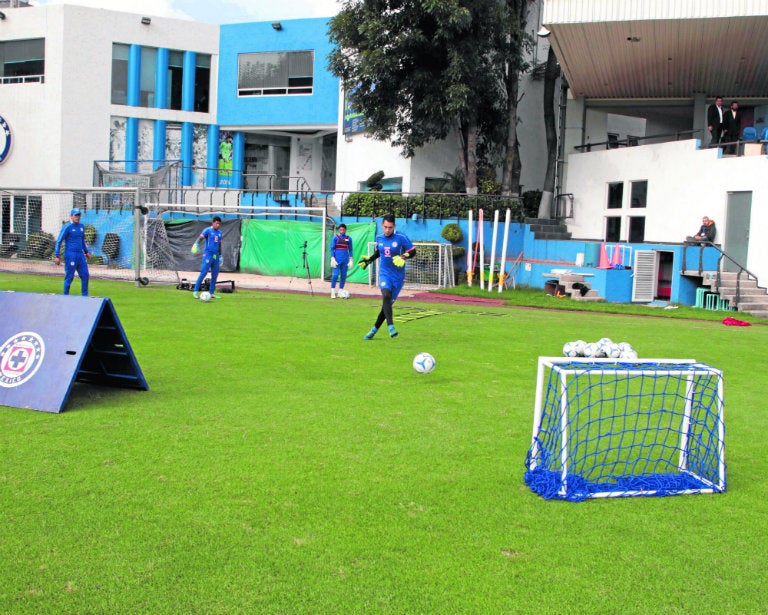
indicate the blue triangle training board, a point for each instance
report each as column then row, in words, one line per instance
column 47, row 342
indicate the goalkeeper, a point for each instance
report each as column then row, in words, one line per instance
column 341, row 258
column 211, row 256
column 393, row 248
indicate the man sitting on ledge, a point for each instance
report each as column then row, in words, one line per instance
column 706, row 232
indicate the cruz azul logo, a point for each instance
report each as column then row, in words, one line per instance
column 6, row 139
column 20, row 357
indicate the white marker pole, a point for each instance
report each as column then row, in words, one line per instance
column 480, row 242
column 493, row 249
column 469, row 248
column 504, row 243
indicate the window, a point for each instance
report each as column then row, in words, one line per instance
column 613, row 229
column 119, row 74
column 639, row 193
column 615, row 195
column 202, row 81
column 20, row 215
column 435, row 184
column 175, row 74
column 275, row 73
column 388, row 184
column 147, row 77
column 22, row 61
column 636, row 229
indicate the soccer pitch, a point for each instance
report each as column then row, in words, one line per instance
column 280, row 464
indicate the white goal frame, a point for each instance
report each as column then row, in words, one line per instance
column 414, row 278
column 569, row 367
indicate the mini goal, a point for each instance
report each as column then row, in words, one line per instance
column 607, row 428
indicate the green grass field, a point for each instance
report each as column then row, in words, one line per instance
column 279, row 464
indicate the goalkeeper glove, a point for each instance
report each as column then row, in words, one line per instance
column 334, row 262
column 364, row 262
column 398, row 261
column 215, row 256
column 195, row 249
column 351, row 262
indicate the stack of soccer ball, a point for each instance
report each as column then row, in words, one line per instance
column 604, row 348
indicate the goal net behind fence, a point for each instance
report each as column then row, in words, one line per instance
column 606, row 428
column 432, row 267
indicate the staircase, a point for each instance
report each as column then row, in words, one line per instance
column 567, row 280
column 753, row 299
column 544, row 228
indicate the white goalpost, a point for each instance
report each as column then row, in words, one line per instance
column 606, row 428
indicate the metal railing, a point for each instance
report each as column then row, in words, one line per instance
column 722, row 259
column 631, row 141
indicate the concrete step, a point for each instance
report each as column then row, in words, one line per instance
column 552, row 236
column 748, row 293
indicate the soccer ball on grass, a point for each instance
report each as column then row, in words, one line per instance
column 343, row 294
column 423, row 362
column 205, row 296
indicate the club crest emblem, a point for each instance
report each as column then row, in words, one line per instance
column 20, row 357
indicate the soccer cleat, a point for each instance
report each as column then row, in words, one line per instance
column 333, row 293
column 370, row 334
column 215, row 296
column 392, row 331
column 196, row 295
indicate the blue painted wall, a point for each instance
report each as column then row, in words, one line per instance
column 320, row 107
column 614, row 285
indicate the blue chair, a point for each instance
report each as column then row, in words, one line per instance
column 764, row 134
column 749, row 134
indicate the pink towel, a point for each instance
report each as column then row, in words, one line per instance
column 733, row 322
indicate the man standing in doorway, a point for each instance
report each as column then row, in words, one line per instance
column 715, row 121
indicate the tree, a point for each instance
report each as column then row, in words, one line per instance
column 419, row 69
column 551, row 74
column 515, row 46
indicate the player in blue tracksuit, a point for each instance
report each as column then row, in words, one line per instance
column 211, row 256
column 341, row 258
column 393, row 248
column 75, row 252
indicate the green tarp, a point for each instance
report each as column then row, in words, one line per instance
column 275, row 247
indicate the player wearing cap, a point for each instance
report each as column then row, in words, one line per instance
column 394, row 248
column 341, row 258
column 211, row 256
column 75, row 252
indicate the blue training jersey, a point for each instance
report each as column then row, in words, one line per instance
column 212, row 240
column 341, row 248
column 396, row 244
column 73, row 236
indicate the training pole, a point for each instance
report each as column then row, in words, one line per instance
column 481, row 246
column 493, row 249
column 504, row 243
column 469, row 248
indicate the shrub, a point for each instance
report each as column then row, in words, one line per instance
column 39, row 246
column 452, row 232
column 90, row 234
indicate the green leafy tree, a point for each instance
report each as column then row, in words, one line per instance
column 419, row 69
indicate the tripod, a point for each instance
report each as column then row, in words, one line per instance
column 305, row 266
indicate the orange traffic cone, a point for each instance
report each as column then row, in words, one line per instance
column 616, row 256
column 604, row 262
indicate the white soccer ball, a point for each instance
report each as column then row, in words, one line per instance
column 612, row 351
column 423, row 362
column 628, row 355
column 580, row 347
column 343, row 294
column 624, row 346
column 571, row 349
column 591, row 350
column 205, row 296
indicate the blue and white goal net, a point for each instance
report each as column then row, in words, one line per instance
column 608, row 428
